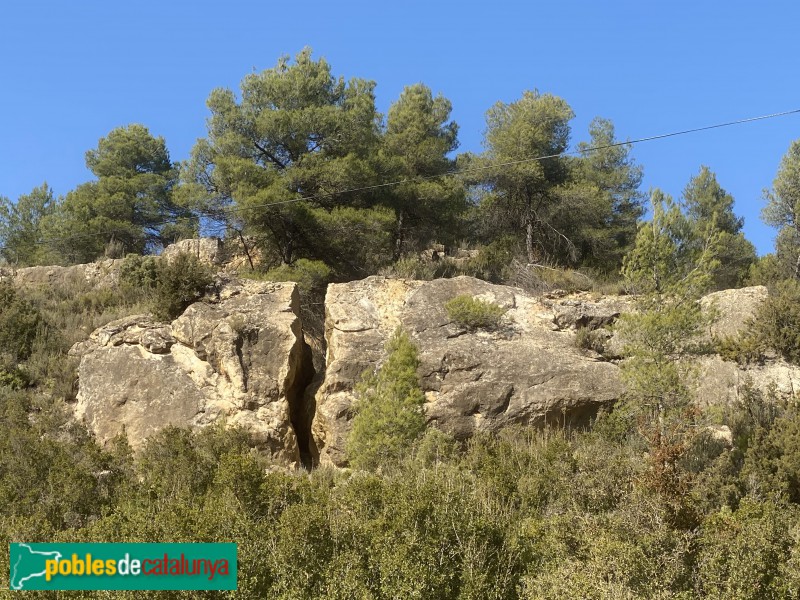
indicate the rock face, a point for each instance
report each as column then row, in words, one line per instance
column 227, row 255
column 97, row 274
column 719, row 382
column 528, row 371
column 734, row 308
column 241, row 359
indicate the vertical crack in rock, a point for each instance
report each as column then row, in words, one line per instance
column 301, row 413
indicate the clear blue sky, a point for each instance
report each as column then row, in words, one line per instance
column 72, row 71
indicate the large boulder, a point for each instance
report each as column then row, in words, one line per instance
column 102, row 273
column 225, row 255
column 733, row 309
column 527, row 371
column 240, row 359
column 718, row 382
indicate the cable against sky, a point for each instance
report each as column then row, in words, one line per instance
column 238, row 209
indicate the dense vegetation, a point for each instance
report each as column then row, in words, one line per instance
column 647, row 503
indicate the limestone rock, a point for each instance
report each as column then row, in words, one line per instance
column 242, row 359
column 228, row 255
column 583, row 310
column 209, row 251
column 103, row 273
column 528, row 371
column 719, row 382
column 733, row 309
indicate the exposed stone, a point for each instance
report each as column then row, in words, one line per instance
column 242, row 360
column 528, row 371
column 103, row 273
column 228, row 255
column 582, row 310
column 733, row 309
column 209, row 251
column 719, row 382
column 722, row 434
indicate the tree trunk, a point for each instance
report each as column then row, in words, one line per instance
column 529, row 241
column 797, row 266
column 246, row 249
column 398, row 237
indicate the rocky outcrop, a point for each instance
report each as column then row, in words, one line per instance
column 240, row 358
column 527, row 371
column 732, row 309
column 226, row 255
column 718, row 382
column 103, row 273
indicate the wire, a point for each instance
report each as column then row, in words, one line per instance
column 451, row 173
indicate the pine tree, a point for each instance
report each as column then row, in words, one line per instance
column 388, row 413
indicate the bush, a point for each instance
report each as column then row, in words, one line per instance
column 20, row 323
column 472, row 313
column 138, row 273
column 777, row 322
column 591, row 339
column 776, row 326
column 180, row 282
column 309, row 274
column 388, row 413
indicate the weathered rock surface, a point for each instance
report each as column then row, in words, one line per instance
column 719, row 382
column 241, row 359
column 97, row 274
column 733, row 308
column 227, row 255
column 528, row 371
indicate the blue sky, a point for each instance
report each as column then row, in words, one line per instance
column 71, row 72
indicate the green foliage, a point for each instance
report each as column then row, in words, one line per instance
column 474, row 313
column 766, row 270
column 591, row 339
column 180, row 282
column 777, row 322
column 666, row 257
column 707, row 205
column 138, row 273
column 416, row 144
column 775, row 326
column 522, row 197
column 309, row 274
column 783, row 211
column 298, row 132
column 607, row 181
column 388, row 413
column 493, row 260
column 130, row 205
column 744, row 554
column 20, row 323
column 21, row 235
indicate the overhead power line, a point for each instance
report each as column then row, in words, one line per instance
column 451, row 173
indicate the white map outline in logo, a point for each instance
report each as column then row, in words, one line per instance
column 19, row 583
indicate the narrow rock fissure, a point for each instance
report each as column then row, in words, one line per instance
column 301, row 408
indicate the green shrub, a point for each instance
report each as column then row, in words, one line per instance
column 591, row 339
column 472, row 313
column 777, row 322
column 20, row 323
column 309, row 274
column 180, row 283
column 138, row 273
column 743, row 349
column 388, row 413
column 414, row 267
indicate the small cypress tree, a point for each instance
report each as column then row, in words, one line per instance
column 388, row 413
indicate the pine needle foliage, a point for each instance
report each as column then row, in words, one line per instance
column 388, row 413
